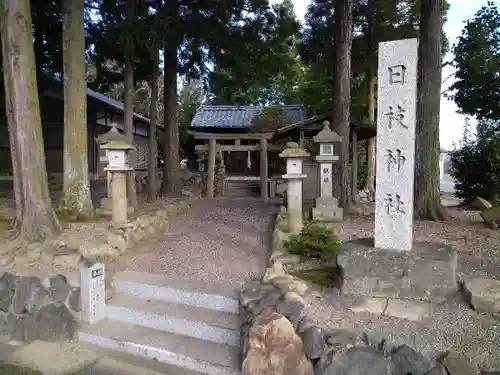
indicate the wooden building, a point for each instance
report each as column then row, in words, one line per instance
column 102, row 113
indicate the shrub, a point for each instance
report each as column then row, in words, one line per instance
column 476, row 165
column 314, row 240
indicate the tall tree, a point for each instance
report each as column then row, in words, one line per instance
column 271, row 73
column 341, row 100
column 477, row 61
column 427, row 204
column 76, row 201
column 153, row 142
column 171, row 159
column 38, row 221
column 128, row 117
column 11, row 129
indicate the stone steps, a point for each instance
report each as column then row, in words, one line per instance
column 242, row 188
column 193, row 328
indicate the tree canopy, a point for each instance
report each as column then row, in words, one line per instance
column 476, row 90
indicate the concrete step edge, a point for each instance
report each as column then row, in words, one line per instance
column 180, row 351
column 184, row 320
column 218, row 297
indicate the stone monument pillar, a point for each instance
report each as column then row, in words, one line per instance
column 327, row 207
column 294, row 157
column 118, row 168
column 397, row 91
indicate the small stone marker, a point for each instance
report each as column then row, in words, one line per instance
column 397, row 88
column 93, row 292
column 294, row 156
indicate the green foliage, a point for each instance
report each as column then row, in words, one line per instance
column 263, row 70
column 270, row 119
column 314, row 240
column 477, row 62
column 374, row 21
column 476, row 164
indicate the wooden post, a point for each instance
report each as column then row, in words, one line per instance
column 354, row 166
column 263, row 169
column 212, row 149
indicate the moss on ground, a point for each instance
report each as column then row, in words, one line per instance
column 329, row 276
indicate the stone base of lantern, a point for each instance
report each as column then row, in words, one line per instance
column 327, row 209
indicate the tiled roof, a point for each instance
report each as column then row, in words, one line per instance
column 114, row 104
column 237, row 117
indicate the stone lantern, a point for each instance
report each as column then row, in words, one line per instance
column 117, row 151
column 327, row 208
column 294, row 157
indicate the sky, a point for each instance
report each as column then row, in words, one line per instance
column 451, row 123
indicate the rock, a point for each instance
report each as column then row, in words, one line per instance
column 89, row 250
column 341, row 339
column 70, row 260
column 279, row 237
column 74, row 301
column 59, row 288
column 480, row 204
column 304, row 324
column 275, row 349
column 354, row 361
column 64, row 250
column 51, row 323
column 492, row 215
column 281, row 282
column 139, row 234
column 274, row 271
column 314, row 342
column 187, row 193
column 29, row 296
column 406, row 360
column 253, row 291
column 483, row 294
column 267, row 302
column 15, row 325
column 117, row 241
column 8, row 283
column 437, row 370
column 458, row 365
column 292, row 308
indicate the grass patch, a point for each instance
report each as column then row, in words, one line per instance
column 329, row 276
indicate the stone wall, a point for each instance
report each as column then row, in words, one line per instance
column 35, row 309
column 277, row 337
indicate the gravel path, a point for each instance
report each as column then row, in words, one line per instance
column 220, row 241
column 453, row 325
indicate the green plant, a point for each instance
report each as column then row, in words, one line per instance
column 314, row 240
column 476, row 164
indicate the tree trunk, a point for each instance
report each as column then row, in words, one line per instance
column 39, row 220
column 153, row 145
column 171, row 181
column 342, row 92
column 369, row 184
column 427, row 192
column 13, row 150
column 76, row 201
column 128, row 117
